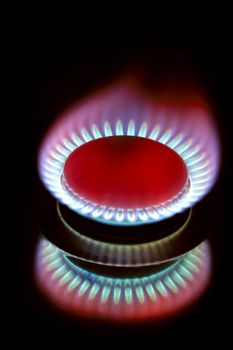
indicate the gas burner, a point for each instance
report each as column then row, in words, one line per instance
column 123, row 160
column 121, row 240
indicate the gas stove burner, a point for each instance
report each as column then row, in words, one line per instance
column 121, row 239
column 124, row 160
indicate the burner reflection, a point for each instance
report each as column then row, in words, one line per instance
column 152, row 296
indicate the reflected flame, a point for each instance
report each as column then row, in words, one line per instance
column 153, row 296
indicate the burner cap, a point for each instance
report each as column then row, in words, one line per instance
column 126, row 172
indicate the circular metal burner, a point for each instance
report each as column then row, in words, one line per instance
column 180, row 136
column 120, row 235
column 124, row 246
column 137, row 165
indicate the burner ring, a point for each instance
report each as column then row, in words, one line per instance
column 144, row 244
column 187, row 131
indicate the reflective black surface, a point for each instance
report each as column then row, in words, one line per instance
column 48, row 77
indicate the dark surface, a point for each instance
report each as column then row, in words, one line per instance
column 48, row 76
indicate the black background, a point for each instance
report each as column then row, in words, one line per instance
column 50, row 73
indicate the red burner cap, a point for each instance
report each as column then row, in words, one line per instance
column 125, row 171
